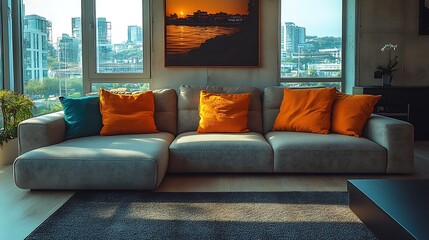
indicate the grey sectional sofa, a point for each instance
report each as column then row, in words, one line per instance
column 140, row 161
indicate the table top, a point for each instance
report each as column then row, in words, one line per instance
column 404, row 200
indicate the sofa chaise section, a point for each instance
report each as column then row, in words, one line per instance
column 386, row 145
column 131, row 161
column 134, row 161
column 218, row 152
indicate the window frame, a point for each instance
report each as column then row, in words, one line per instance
column 89, row 50
column 1, row 46
column 341, row 79
column 7, row 63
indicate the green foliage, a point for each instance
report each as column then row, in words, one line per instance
column 45, row 92
column 129, row 54
column 50, row 87
column 53, row 63
column 50, row 107
column 15, row 108
column 389, row 68
column 326, row 42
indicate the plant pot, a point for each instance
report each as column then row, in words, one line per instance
column 9, row 152
column 387, row 79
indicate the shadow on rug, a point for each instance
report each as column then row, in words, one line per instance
column 238, row 215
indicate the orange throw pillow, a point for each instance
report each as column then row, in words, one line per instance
column 127, row 113
column 305, row 110
column 223, row 112
column 350, row 113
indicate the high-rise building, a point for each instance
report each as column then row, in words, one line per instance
column 68, row 49
column 37, row 36
column 77, row 28
column 104, row 37
column 104, row 31
column 135, row 34
column 104, row 41
column 292, row 37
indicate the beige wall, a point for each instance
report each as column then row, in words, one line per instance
column 396, row 22
column 264, row 76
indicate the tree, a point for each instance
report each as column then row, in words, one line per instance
column 50, row 87
column 53, row 63
column 34, row 89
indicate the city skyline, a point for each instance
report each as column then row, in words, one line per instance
column 62, row 23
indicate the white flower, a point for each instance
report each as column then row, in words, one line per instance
column 388, row 47
column 391, row 62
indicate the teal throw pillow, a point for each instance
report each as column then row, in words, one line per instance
column 82, row 116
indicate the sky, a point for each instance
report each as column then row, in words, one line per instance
column 210, row 6
column 60, row 13
column 323, row 18
column 319, row 17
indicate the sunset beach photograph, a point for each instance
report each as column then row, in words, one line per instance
column 212, row 33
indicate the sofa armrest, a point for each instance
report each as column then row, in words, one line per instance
column 397, row 137
column 41, row 131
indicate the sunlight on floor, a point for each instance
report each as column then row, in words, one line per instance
column 243, row 212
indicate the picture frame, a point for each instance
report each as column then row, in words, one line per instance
column 424, row 17
column 220, row 33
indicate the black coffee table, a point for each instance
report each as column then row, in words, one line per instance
column 392, row 209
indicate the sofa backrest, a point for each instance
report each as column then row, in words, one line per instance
column 166, row 110
column 272, row 100
column 188, row 102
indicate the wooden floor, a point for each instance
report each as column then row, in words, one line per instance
column 21, row 211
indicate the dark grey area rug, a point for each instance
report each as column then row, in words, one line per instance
column 237, row 215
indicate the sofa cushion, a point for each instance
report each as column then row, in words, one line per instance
column 223, row 112
column 220, row 152
column 137, row 161
column 127, row 113
column 305, row 110
column 82, row 116
column 165, row 110
column 188, row 102
column 271, row 102
column 334, row 153
column 350, row 113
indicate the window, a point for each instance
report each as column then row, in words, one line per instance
column 311, row 44
column 69, row 52
column 118, row 42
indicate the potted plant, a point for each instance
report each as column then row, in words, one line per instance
column 386, row 71
column 15, row 108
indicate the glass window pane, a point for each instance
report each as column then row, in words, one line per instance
column 120, row 87
column 311, row 39
column 52, row 52
column 119, row 36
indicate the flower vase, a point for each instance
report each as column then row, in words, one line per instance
column 387, row 79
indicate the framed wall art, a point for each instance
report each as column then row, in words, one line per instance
column 218, row 33
column 424, row 17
